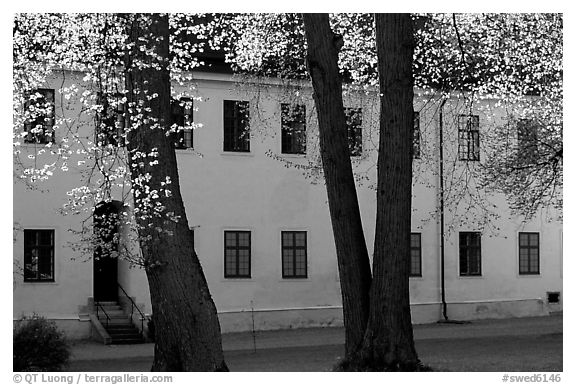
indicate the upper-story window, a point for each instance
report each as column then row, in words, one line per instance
column 236, row 126
column 416, row 140
column 527, row 130
column 293, row 129
column 38, row 255
column 110, row 120
column 469, row 137
column 183, row 116
column 40, row 123
column 354, row 126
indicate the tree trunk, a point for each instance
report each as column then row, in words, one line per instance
column 388, row 342
column 351, row 251
column 187, row 331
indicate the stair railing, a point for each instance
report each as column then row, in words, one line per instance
column 132, row 307
column 99, row 306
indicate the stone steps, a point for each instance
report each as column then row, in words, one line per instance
column 118, row 325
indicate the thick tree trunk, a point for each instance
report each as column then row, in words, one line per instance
column 187, row 331
column 351, row 251
column 388, row 342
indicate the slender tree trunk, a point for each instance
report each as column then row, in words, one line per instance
column 388, row 342
column 351, row 251
column 187, row 331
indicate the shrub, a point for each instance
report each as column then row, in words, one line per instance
column 39, row 346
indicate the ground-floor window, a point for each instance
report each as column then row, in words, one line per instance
column 237, row 250
column 470, row 254
column 294, row 254
column 529, row 253
column 415, row 255
column 38, row 255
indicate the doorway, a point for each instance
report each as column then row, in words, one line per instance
column 105, row 252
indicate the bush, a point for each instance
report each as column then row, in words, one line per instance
column 39, row 346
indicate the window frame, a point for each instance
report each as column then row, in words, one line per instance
column 240, row 118
column 47, row 135
column 106, row 134
column 529, row 247
column 416, row 137
column 179, row 107
column 37, row 245
column 291, row 130
column 353, row 117
column 469, row 138
column 293, row 249
column 419, row 250
column 527, row 139
column 237, row 248
column 468, row 247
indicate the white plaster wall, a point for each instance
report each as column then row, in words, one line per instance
column 227, row 191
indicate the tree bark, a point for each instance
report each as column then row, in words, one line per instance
column 388, row 342
column 351, row 251
column 187, row 331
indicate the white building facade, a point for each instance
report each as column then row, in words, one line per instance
column 258, row 209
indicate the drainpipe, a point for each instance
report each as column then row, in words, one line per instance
column 442, row 235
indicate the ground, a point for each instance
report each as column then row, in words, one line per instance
column 520, row 344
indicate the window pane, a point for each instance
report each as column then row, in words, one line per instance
column 300, row 238
column 244, row 239
column 230, row 238
column 415, row 240
column 287, row 239
column 524, row 239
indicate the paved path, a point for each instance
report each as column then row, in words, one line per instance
column 316, row 337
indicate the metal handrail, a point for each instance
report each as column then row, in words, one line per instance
column 134, row 306
column 98, row 305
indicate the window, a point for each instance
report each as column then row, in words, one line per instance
column 529, row 253
column 38, row 255
column 110, row 122
column 294, row 259
column 237, row 254
column 416, row 136
column 527, row 130
column 354, row 125
column 293, row 129
column 469, row 137
column 470, row 254
column 236, row 126
column 183, row 117
column 415, row 255
column 40, row 124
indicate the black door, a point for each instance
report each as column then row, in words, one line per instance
column 105, row 260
